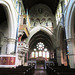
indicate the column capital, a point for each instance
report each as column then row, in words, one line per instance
column 58, row 48
column 69, row 40
column 70, row 54
column 11, row 40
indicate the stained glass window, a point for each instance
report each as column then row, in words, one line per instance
column 34, row 49
column 59, row 13
column 40, row 46
column 47, row 54
column 49, row 22
column 44, row 54
column 40, row 53
column 36, row 54
column 45, row 49
column 66, row 2
column 32, row 54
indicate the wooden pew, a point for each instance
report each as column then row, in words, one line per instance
column 21, row 70
column 57, row 70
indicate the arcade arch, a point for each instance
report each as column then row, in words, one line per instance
column 8, row 28
column 62, row 46
column 70, row 32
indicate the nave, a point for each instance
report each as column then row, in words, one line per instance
column 40, row 72
column 30, row 70
column 23, row 70
column 37, row 37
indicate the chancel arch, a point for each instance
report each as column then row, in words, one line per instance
column 40, row 28
column 41, row 35
column 41, row 48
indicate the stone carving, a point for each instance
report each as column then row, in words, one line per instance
column 46, row 14
column 43, row 21
column 40, row 10
column 49, row 22
column 42, row 15
column 32, row 22
column 37, row 21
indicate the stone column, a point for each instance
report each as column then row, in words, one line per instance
column 55, row 55
column 62, row 59
column 71, row 53
column 58, row 52
column 26, row 58
column 10, row 46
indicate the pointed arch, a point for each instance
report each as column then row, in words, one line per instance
column 11, row 18
column 70, row 32
column 43, row 29
column 68, row 19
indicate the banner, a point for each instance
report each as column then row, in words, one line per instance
column 7, row 60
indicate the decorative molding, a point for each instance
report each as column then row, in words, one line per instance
column 70, row 54
column 11, row 40
column 69, row 40
column 40, row 11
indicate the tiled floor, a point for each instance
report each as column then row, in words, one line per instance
column 40, row 72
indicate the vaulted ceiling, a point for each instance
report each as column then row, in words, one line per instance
column 41, row 37
column 51, row 3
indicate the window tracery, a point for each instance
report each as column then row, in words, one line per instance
column 40, row 13
column 40, row 51
column 49, row 22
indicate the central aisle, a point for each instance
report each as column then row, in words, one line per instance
column 40, row 72
column 40, row 67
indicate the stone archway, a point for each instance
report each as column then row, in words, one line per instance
column 62, row 46
column 9, row 26
column 40, row 28
column 70, row 32
column 41, row 34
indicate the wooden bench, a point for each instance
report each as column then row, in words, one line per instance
column 60, row 70
column 21, row 70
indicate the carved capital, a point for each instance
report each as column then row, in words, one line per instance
column 11, row 40
column 69, row 40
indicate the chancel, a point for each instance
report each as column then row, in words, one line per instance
column 37, row 37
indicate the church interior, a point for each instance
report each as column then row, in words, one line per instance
column 37, row 37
